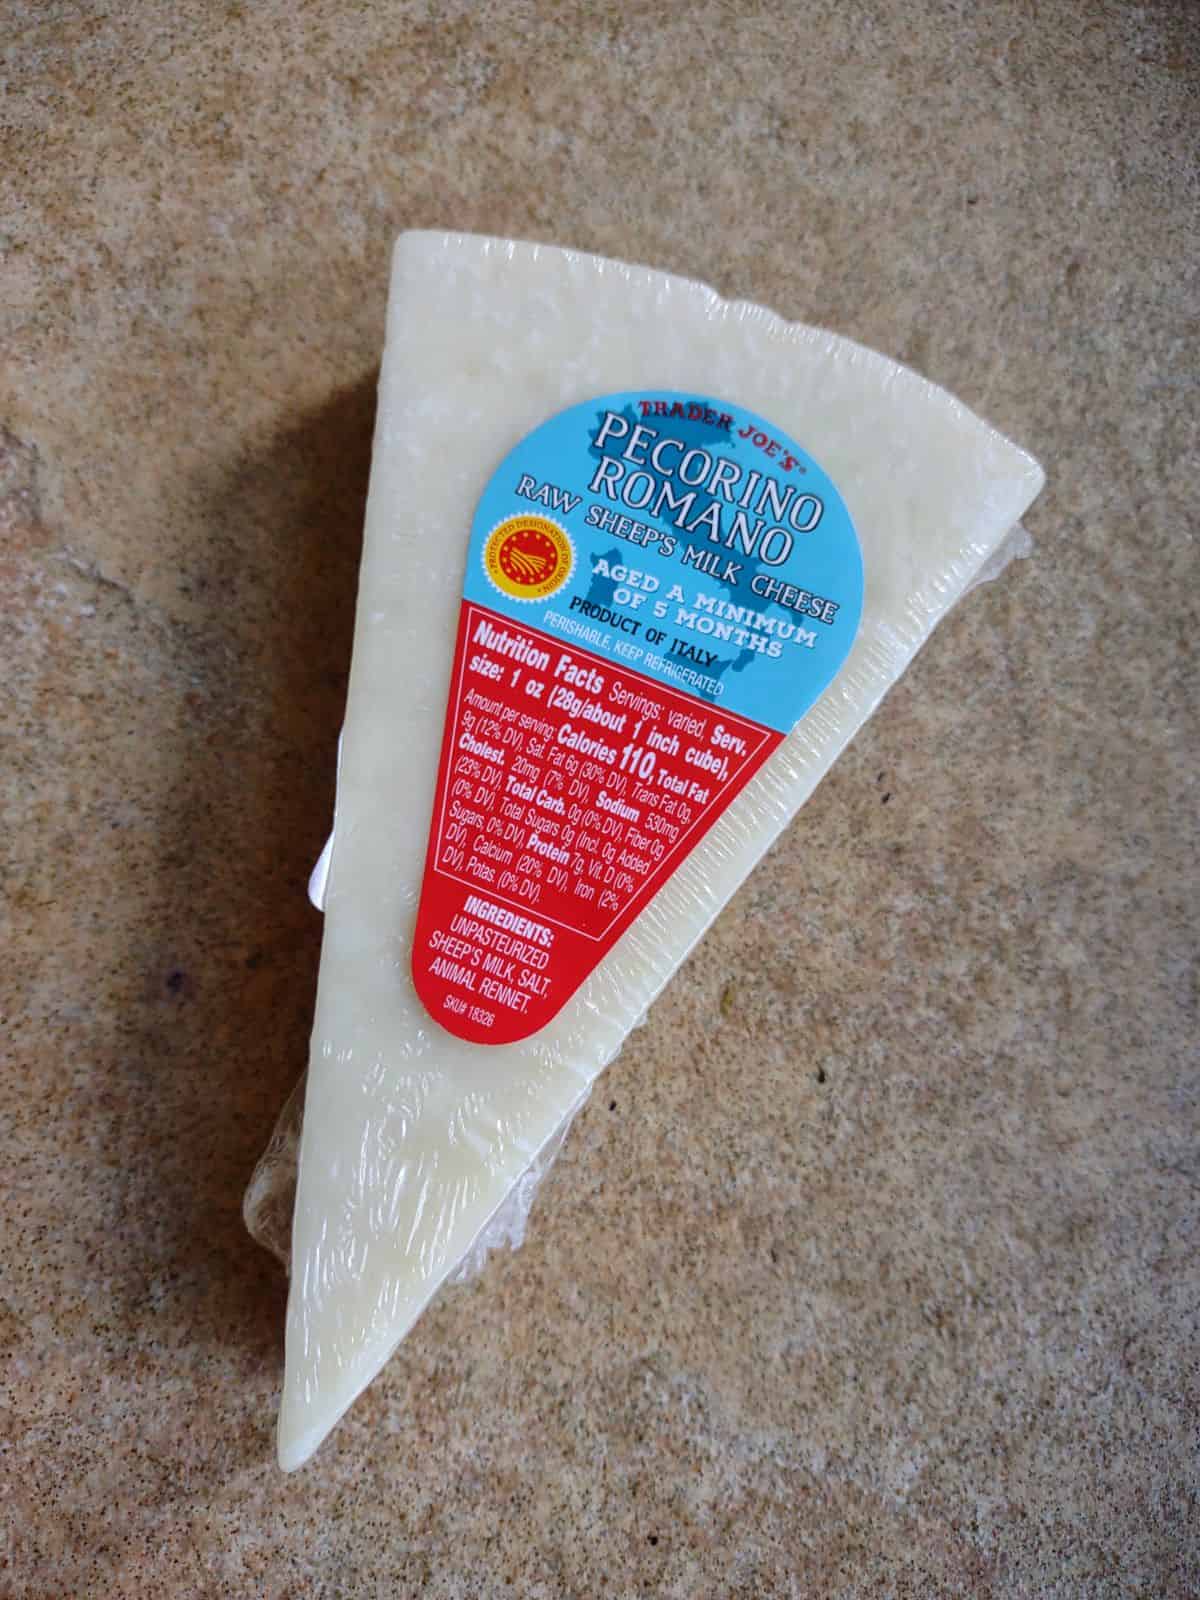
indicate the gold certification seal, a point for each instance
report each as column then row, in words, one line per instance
column 528, row 557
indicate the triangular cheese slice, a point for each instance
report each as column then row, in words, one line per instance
column 412, row 1138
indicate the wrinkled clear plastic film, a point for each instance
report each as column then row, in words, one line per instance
column 271, row 1193
column 414, row 1141
column 270, row 1198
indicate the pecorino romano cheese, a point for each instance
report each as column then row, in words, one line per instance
column 638, row 563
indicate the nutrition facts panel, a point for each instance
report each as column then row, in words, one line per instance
column 568, row 790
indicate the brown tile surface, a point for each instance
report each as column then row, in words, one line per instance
column 871, row 1269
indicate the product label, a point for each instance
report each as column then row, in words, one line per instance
column 658, row 587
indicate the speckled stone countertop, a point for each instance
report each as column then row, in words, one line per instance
column 872, row 1266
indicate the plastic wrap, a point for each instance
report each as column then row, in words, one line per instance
column 413, row 1141
column 271, row 1193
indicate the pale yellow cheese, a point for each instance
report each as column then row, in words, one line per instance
column 413, row 1139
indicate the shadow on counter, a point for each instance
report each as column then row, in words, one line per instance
column 276, row 581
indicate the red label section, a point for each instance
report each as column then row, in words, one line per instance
column 568, row 792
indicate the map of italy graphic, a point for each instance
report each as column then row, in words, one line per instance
column 602, row 589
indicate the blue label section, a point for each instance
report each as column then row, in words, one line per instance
column 681, row 537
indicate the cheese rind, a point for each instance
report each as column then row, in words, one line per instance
column 413, row 1138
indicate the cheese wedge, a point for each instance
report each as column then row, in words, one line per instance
column 412, row 1138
